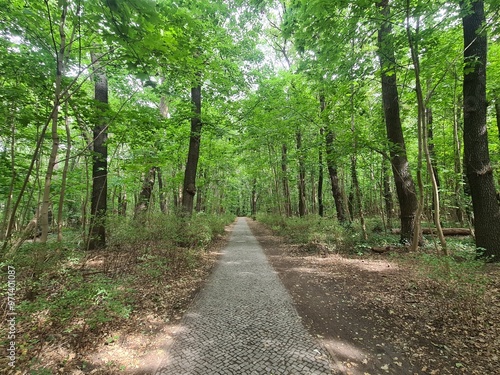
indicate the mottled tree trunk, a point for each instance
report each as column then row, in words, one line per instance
column 457, row 156
column 477, row 160
column 332, row 168
column 405, row 187
column 98, row 205
column 284, row 181
column 321, row 208
column 64, row 177
column 189, row 189
column 389, row 203
column 146, row 192
column 254, row 199
column 302, row 177
column 44, row 211
column 163, row 196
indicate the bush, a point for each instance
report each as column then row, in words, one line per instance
column 312, row 229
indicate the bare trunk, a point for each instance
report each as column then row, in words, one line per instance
column 405, row 186
column 284, row 181
column 144, row 197
column 163, row 196
column 44, row 212
column 432, row 155
column 457, row 156
column 332, row 168
column 423, row 149
column 98, row 205
column 189, row 189
column 389, row 203
column 302, row 177
column 3, row 228
column 354, row 172
column 321, row 208
column 254, row 199
column 122, row 203
column 477, row 158
column 64, row 178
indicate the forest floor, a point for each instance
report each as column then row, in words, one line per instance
column 375, row 314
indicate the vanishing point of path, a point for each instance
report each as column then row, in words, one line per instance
column 243, row 322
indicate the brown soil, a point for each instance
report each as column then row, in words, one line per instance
column 376, row 316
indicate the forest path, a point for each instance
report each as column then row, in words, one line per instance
column 244, row 321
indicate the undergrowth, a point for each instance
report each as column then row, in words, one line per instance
column 67, row 297
column 459, row 279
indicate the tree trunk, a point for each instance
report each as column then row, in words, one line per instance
column 284, row 181
column 145, row 194
column 389, row 203
column 477, row 160
column 332, row 168
column 3, row 228
column 321, row 208
column 423, row 148
column 64, row 177
column 98, row 203
column 405, row 187
column 354, row 172
column 44, row 212
column 163, row 196
column 122, row 203
column 432, row 154
column 302, row 177
column 189, row 189
column 457, row 156
column 254, row 199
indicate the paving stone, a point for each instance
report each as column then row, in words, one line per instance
column 243, row 322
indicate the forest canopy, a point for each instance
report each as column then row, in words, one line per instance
column 353, row 110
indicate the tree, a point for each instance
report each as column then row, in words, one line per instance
column 189, row 189
column 405, row 187
column 97, row 227
column 477, row 159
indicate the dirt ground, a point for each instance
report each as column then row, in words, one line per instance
column 375, row 316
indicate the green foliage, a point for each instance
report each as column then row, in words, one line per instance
column 196, row 231
column 312, row 229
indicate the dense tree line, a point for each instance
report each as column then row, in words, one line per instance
column 350, row 109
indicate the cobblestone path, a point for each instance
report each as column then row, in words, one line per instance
column 244, row 322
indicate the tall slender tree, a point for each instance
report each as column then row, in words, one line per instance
column 98, row 205
column 189, row 189
column 405, row 187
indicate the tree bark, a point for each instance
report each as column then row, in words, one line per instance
column 254, row 199
column 405, row 187
column 477, row 160
column 358, row 196
column 302, row 177
column 163, row 196
column 98, row 203
column 64, row 177
column 122, row 203
column 332, row 168
column 284, row 181
column 145, row 194
column 60, row 53
column 457, row 156
column 389, row 203
column 321, row 208
column 189, row 189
